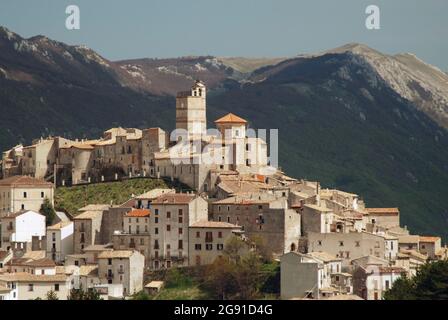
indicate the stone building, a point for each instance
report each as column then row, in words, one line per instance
column 135, row 234
column 207, row 240
column 123, row 267
column 59, row 241
column 371, row 281
column 265, row 217
column 353, row 245
column 171, row 216
column 131, row 152
column 18, row 193
column 27, row 286
column 87, row 230
column 18, row 230
column 309, row 275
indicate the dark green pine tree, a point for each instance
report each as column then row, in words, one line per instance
column 48, row 211
column 430, row 283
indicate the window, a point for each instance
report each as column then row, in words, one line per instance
column 181, row 244
column 156, row 212
column 209, row 246
column 220, row 234
column 180, row 231
column 341, row 243
column 24, row 194
column 156, row 231
column 197, row 246
column 56, row 287
column 180, row 220
column 387, row 284
column 168, row 215
column 42, row 194
column 109, row 261
column 23, row 207
column 198, row 234
column 168, row 227
column 219, row 247
column 357, row 244
column 319, row 242
column 180, row 212
column 156, row 245
column 142, row 241
column 219, row 218
column 228, row 219
column 208, row 236
column 30, row 287
column 156, row 220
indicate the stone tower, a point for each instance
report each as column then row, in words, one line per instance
column 191, row 110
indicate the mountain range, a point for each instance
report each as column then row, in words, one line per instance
column 351, row 117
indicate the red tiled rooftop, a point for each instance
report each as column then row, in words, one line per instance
column 230, row 118
column 429, row 239
column 392, row 211
column 137, row 213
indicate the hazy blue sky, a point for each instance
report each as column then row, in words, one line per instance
column 120, row 29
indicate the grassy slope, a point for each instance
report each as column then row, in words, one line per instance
column 72, row 198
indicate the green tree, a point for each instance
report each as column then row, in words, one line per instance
column 430, row 283
column 234, row 248
column 141, row 295
column 248, row 276
column 51, row 295
column 48, row 211
column 402, row 289
column 262, row 248
column 80, row 294
column 219, row 279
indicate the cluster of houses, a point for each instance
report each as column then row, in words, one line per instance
column 329, row 244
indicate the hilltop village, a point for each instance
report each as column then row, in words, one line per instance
column 329, row 243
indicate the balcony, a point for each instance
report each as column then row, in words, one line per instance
column 208, row 239
column 109, row 275
column 120, row 271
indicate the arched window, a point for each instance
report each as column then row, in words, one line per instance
column 293, row 247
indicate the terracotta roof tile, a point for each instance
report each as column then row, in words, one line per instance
column 28, row 277
column 138, row 213
column 385, row 211
column 24, row 181
column 45, row 262
column 174, row 198
column 116, row 254
column 230, row 118
column 429, row 239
